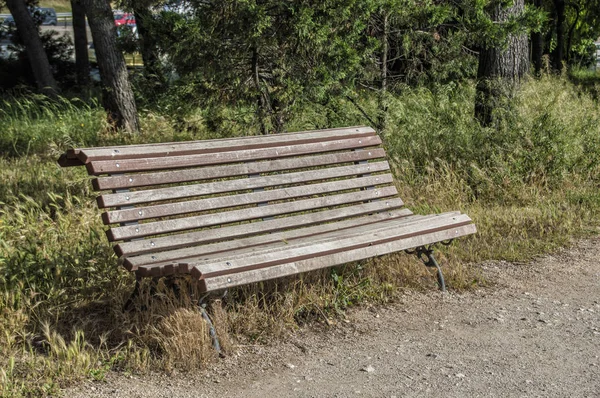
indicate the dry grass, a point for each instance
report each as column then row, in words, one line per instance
column 182, row 338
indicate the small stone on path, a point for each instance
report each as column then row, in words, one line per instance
column 368, row 369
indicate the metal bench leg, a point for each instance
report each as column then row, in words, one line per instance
column 211, row 329
column 133, row 295
column 425, row 254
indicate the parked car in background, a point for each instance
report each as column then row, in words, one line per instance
column 42, row 15
column 124, row 18
column 48, row 15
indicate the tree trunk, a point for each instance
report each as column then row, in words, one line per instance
column 537, row 46
column 38, row 58
column 117, row 96
column 558, row 55
column 152, row 66
column 82, row 62
column 500, row 68
column 571, row 31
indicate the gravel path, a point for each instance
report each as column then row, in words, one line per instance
column 536, row 333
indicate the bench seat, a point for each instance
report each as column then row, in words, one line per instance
column 235, row 211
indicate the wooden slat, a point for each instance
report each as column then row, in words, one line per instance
column 186, row 191
column 285, row 237
column 87, row 155
column 236, row 231
column 383, row 233
column 220, row 202
column 225, row 251
column 90, row 152
column 174, row 162
column 187, row 175
column 180, row 224
column 309, row 264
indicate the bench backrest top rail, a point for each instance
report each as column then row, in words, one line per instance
column 227, row 156
column 86, row 155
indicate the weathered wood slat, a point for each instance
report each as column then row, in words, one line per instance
column 186, row 191
column 87, row 155
column 309, row 264
column 146, row 261
column 235, row 170
column 174, row 162
column 236, row 231
column 380, row 233
column 225, row 251
column 75, row 153
column 193, row 222
column 221, row 202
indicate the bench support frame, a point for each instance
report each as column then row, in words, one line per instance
column 211, row 330
column 133, row 295
column 425, row 254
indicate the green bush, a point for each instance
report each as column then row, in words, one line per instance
column 551, row 138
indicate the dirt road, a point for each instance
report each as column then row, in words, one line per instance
column 536, row 333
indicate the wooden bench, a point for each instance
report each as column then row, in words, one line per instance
column 241, row 210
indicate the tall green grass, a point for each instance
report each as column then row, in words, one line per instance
column 530, row 183
column 34, row 124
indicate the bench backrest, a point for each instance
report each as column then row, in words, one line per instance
column 171, row 196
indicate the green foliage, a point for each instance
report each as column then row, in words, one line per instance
column 127, row 39
column 278, row 55
column 275, row 58
column 32, row 124
column 543, row 144
column 51, row 260
column 583, row 27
